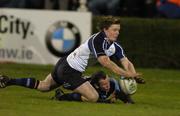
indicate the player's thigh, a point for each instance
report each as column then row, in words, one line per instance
column 87, row 91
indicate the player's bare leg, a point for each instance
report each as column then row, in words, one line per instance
column 47, row 84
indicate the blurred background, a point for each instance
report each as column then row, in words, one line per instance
column 150, row 28
column 129, row 8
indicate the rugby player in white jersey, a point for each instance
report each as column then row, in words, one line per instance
column 69, row 69
column 108, row 88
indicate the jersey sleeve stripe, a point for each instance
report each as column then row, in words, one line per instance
column 91, row 45
column 103, row 45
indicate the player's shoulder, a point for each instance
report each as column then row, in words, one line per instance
column 112, row 84
column 112, row 80
column 118, row 47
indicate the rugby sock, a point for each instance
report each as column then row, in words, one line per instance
column 71, row 97
column 25, row 82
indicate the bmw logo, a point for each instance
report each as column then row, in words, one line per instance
column 62, row 38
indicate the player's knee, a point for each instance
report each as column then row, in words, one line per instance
column 93, row 97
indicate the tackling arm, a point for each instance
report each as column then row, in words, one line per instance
column 128, row 66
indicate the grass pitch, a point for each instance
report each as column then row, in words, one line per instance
column 160, row 96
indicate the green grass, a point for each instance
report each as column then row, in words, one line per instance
column 160, row 96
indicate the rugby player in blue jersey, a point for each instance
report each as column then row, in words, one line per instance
column 69, row 69
column 108, row 88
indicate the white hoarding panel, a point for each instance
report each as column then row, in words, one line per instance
column 41, row 36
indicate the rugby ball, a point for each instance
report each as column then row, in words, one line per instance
column 128, row 85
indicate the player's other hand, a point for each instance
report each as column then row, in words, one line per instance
column 140, row 80
column 130, row 74
column 137, row 77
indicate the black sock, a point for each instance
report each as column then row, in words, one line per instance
column 25, row 82
column 71, row 97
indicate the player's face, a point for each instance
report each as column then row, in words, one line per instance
column 112, row 32
column 104, row 84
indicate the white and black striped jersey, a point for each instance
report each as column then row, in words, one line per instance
column 97, row 45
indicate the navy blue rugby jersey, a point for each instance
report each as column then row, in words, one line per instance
column 97, row 45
